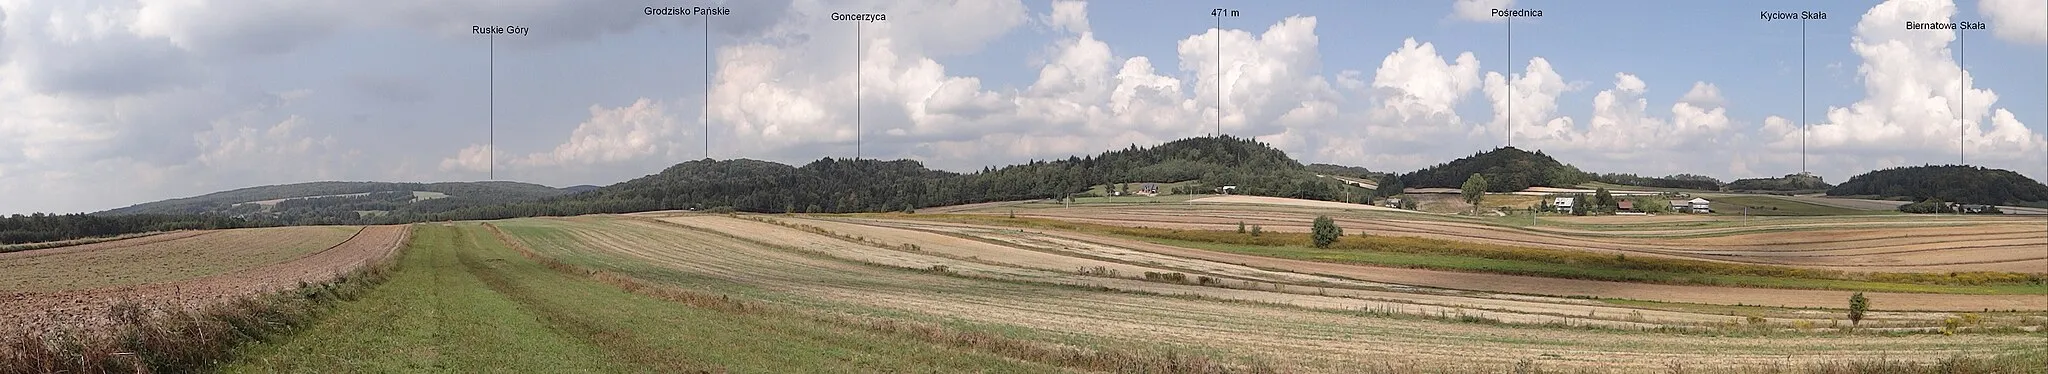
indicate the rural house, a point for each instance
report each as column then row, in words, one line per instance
column 1699, row 205
column 1626, row 206
column 1680, row 206
column 1562, row 204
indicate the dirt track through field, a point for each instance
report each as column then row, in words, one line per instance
column 88, row 306
column 819, row 273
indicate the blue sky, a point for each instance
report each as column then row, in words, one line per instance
column 115, row 102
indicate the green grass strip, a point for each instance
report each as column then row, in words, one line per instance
column 465, row 302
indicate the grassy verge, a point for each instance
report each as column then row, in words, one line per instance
column 1475, row 257
column 471, row 302
column 150, row 338
column 434, row 315
column 1005, row 341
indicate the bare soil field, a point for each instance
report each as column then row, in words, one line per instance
column 1263, row 312
column 240, row 262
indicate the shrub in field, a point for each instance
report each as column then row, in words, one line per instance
column 1101, row 271
column 1256, row 229
column 1240, row 227
column 1166, row 277
column 1325, row 231
column 1857, row 306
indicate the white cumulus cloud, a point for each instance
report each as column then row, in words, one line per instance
column 1479, row 10
column 2018, row 21
column 1914, row 95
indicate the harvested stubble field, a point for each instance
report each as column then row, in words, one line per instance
column 1093, row 292
column 1860, row 244
column 75, row 286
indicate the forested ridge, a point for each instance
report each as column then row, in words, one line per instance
column 1686, row 181
column 840, row 185
column 1790, row 183
column 345, row 202
column 1507, row 169
column 1953, row 183
column 825, row 185
column 832, row 185
column 39, row 227
column 1348, row 171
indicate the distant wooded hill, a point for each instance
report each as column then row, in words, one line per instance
column 1348, row 171
column 1952, row 183
column 344, row 202
column 840, row 185
column 1685, row 181
column 1506, row 169
column 1788, row 184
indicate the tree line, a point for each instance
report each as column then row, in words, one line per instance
column 1949, row 183
column 833, row 185
column 1790, row 183
column 1505, row 169
column 1685, row 181
column 39, row 227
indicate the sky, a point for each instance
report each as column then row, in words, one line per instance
column 108, row 103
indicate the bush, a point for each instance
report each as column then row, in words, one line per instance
column 1256, row 229
column 1325, row 231
column 1240, row 227
column 1858, row 305
column 1166, row 277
